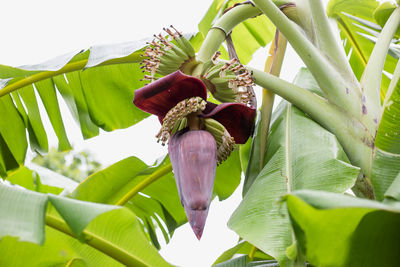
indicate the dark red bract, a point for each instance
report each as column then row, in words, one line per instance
column 160, row 96
column 238, row 119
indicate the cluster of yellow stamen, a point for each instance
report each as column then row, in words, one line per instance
column 178, row 112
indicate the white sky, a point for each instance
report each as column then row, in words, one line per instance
column 35, row 31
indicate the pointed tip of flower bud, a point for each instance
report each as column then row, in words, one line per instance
column 197, row 220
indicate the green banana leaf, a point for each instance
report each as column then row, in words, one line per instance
column 13, row 143
column 253, row 166
column 242, row 248
column 386, row 162
column 243, row 261
column 355, row 20
column 393, row 192
column 383, row 12
column 97, row 85
column 300, row 154
column 106, row 228
column 237, row 262
column 307, row 81
column 339, row 230
column 41, row 180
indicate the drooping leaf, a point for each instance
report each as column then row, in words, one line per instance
column 22, row 214
column 60, row 248
column 107, row 228
column 12, row 131
column 100, row 96
column 78, row 214
column 52, row 179
column 300, row 154
column 39, row 141
column 37, row 178
column 70, row 87
column 116, row 84
column 360, row 232
column 48, row 96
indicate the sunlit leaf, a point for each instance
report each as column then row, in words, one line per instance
column 348, row 14
column 22, row 214
column 78, row 214
column 383, row 12
column 48, row 95
column 12, row 132
column 386, row 162
column 112, row 230
column 339, row 230
column 300, row 154
column 393, row 191
column 115, row 77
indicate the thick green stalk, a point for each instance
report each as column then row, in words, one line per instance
column 96, row 242
column 326, row 39
column 217, row 34
column 354, row 137
column 339, row 91
column 273, row 66
column 371, row 78
column 73, row 66
column 143, row 184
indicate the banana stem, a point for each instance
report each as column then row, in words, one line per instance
column 149, row 179
column 273, row 66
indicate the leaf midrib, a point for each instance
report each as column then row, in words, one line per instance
column 69, row 67
column 95, row 241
